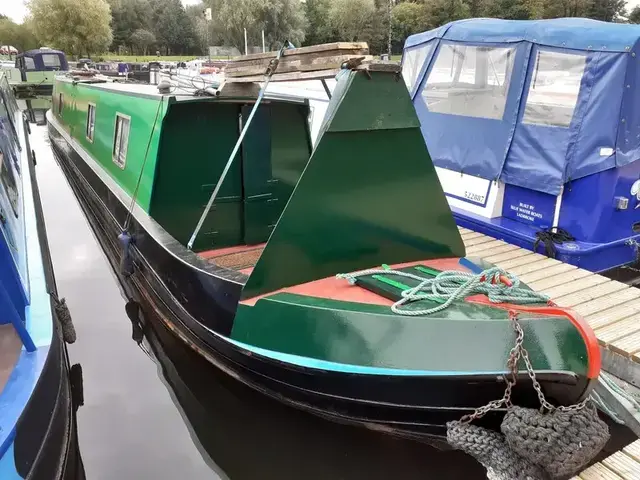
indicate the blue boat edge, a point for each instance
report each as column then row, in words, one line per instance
column 38, row 402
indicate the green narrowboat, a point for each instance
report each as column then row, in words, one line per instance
column 277, row 288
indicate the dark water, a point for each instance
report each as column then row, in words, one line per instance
column 155, row 410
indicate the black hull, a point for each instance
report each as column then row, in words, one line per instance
column 46, row 441
column 410, row 407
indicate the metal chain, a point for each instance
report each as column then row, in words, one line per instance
column 518, row 351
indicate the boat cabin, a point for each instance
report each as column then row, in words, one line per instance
column 114, row 122
column 532, row 126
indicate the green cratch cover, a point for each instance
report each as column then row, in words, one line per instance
column 369, row 194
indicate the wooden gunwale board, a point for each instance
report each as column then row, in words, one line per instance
column 610, row 307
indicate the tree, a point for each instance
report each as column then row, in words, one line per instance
column 566, row 8
column 408, row 18
column 634, row 16
column 318, row 27
column 19, row 36
column 127, row 17
column 606, row 10
column 172, row 27
column 352, row 20
column 72, row 26
column 445, row 11
column 142, row 39
column 516, row 9
column 281, row 20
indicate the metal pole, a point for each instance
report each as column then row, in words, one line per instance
column 263, row 48
column 235, row 149
column 389, row 42
column 245, row 42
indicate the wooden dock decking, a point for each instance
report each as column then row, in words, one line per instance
column 622, row 465
column 611, row 308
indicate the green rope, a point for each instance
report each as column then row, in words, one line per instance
column 451, row 285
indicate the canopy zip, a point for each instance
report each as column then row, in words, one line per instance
column 273, row 65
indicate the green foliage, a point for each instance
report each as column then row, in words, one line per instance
column 142, row 39
column 606, row 10
column 127, row 17
column 318, row 28
column 72, row 26
column 409, row 18
column 634, row 16
column 516, row 9
column 172, row 27
column 353, row 20
column 444, row 11
column 281, row 20
column 19, row 36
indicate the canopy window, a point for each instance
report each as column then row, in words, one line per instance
column 469, row 80
column 413, row 62
column 554, row 88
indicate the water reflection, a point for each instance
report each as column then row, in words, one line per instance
column 251, row 436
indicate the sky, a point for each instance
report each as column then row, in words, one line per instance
column 16, row 10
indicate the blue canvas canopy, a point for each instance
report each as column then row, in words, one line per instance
column 532, row 103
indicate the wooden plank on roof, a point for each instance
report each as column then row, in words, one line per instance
column 532, row 267
column 623, row 465
column 606, row 302
column 614, row 314
column 599, row 472
column 618, row 330
column 301, row 63
column 589, row 294
column 528, row 257
column 554, row 270
column 463, row 230
column 553, row 280
column 304, row 50
column 476, row 249
column 575, row 286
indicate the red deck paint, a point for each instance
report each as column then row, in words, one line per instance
column 338, row 289
column 218, row 252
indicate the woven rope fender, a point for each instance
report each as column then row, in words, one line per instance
column 561, row 442
column 491, row 450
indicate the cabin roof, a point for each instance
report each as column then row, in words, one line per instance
column 178, row 93
column 40, row 51
column 573, row 33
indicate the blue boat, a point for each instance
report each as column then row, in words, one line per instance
column 534, row 128
column 39, row 391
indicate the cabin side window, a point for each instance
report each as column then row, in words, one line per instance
column 554, row 88
column 470, row 81
column 121, row 139
column 51, row 61
column 60, row 103
column 91, row 121
column 29, row 63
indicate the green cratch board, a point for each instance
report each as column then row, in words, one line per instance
column 369, row 194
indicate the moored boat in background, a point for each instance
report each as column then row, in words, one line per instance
column 533, row 130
